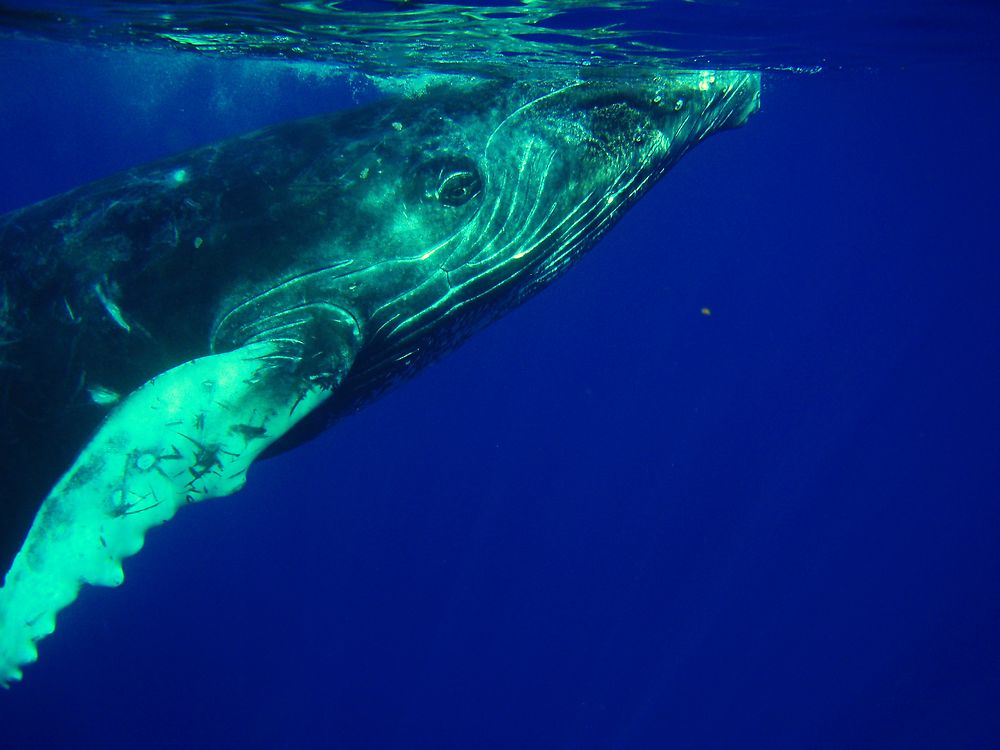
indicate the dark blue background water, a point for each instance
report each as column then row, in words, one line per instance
column 609, row 521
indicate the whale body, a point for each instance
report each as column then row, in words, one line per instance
column 162, row 328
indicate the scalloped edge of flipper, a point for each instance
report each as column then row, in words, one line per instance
column 187, row 435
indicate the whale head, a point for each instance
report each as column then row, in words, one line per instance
column 496, row 189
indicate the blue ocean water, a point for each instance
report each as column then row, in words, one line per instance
column 610, row 520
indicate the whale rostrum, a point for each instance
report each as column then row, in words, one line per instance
column 162, row 328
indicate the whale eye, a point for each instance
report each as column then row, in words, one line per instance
column 459, row 186
column 450, row 180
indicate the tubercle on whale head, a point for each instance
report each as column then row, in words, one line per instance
column 725, row 99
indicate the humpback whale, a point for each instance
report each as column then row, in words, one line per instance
column 162, row 328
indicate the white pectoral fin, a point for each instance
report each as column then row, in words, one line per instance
column 188, row 434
